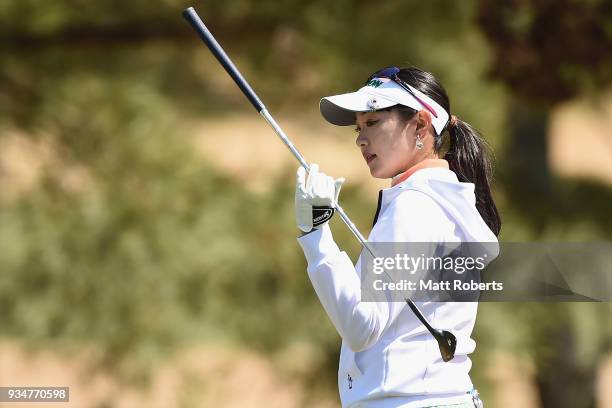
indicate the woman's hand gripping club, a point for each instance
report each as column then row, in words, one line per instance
column 316, row 198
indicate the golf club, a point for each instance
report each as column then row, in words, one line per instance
column 447, row 342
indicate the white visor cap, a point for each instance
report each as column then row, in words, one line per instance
column 379, row 93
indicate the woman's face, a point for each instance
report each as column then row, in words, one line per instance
column 388, row 142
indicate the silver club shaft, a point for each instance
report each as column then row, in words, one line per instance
column 277, row 129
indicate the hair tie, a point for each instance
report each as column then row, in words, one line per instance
column 453, row 121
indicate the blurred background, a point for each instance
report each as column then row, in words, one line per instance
column 147, row 240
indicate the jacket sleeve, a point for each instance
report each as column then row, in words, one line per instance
column 337, row 284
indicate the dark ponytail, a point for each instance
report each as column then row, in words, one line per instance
column 468, row 156
column 468, row 153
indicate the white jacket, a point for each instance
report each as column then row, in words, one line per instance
column 388, row 359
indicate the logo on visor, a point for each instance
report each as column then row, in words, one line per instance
column 374, row 83
column 372, row 104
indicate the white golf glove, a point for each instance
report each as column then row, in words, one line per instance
column 316, row 196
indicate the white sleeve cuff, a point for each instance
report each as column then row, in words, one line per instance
column 318, row 245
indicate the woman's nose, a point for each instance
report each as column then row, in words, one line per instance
column 361, row 140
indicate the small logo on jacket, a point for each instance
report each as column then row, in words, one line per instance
column 350, row 382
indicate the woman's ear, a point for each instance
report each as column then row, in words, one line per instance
column 423, row 120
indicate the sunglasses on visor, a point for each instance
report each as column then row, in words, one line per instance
column 391, row 73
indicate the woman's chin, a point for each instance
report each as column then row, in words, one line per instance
column 377, row 173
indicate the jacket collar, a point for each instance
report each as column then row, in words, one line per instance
column 427, row 163
column 428, row 168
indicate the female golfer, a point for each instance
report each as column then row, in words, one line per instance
column 388, row 358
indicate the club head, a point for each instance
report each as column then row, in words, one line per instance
column 447, row 343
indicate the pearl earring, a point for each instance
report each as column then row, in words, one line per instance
column 419, row 142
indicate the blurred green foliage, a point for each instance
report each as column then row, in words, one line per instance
column 158, row 249
column 568, row 40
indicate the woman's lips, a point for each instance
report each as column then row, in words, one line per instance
column 369, row 158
